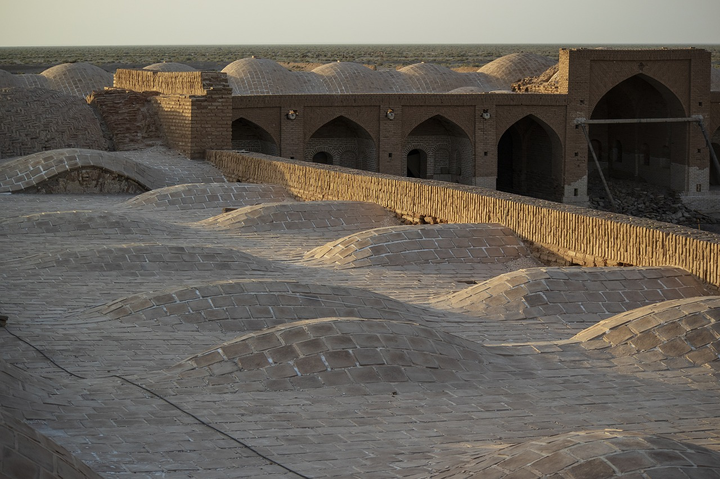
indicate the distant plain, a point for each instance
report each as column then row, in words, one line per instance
column 297, row 57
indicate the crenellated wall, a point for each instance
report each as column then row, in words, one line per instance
column 565, row 232
column 194, row 108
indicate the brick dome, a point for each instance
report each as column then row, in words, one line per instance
column 348, row 77
column 517, row 66
column 77, row 79
column 7, row 80
column 259, row 76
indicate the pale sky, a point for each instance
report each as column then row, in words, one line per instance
column 258, row 22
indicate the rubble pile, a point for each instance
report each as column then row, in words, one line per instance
column 643, row 200
column 547, row 82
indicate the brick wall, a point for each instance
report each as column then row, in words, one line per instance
column 129, row 117
column 578, row 235
column 194, row 109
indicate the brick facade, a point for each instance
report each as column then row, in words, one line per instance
column 482, row 131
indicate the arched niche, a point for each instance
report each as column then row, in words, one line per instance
column 447, row 148
column 644, row 152
column 348, row 143
column 249, row 136
column 530, row 160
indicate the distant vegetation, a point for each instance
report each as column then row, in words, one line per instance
column 216, row 57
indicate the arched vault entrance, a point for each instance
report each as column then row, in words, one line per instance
column 529, row 160
column 246, row 135
column 648, row 152
column 446, row 149
column 345, row 142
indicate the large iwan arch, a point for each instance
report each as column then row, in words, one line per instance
column 249, row 136
column 649, row 152
column 530, row 160
column 443, row 149
column 345, row 142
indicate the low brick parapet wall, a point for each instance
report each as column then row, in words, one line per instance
column 171, row 83
column 577, row 235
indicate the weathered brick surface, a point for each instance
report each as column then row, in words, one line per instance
column 37, row 119
column 586, row 233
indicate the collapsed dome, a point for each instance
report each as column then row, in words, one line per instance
column 169, row 67
column 516, row 66
column 77, row 79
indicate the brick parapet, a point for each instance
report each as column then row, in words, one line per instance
column 579, row 235
column 172, row 83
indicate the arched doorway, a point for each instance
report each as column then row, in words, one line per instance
column 447, row 148
column 343, row 140
column 529, row 160
column 417, row 164
column 714, row 172
column 642, row 152
column 248, row 136
column 322, row 157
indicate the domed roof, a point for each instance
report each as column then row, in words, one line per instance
column 516, row 66
column 431, row 78
column 7, row 79
column 78, row 79
column 35, row 119
column 592, row 454
column 348, row 77
column 258, row 76
column 32, row 81
column 715, row 79
column 169, row 67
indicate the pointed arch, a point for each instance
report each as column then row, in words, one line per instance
column 448, row 149
column 247, row 135
column 648, row 149
column 346, row 142
column 529, row 156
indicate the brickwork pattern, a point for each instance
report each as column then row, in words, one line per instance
column 594, row 455
column 517, row 66
column 427, row 244
column 613, row 237
column 33, row 170
column 672, row 334
column 36, row 120
column 146, row 260
column 194, row 109
column 257, row 76
column 330, row 372
column 25, row 453
column 336, row 351
column 192, row 196
column 342, row 216
column 582, row 294
column 129, row 117
column 238, row 306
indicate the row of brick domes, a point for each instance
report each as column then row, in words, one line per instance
column 255, row 76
